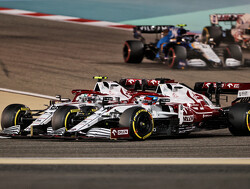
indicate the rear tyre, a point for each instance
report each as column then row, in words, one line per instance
column 233, row 51
column 139, row 121
column 13, row 115
column 175, row 55
column 209, row 32
column 64, row 117
column 133, row 51
column 239, row 118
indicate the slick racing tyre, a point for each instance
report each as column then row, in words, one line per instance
column 233, row 51
column 213, row 32
column 175, row 55
column 133, row 51
column 64, row 117
column 13, row 115
column 239, row 118
column 139, row 121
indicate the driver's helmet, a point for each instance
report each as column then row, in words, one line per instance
column 91, row 98
column 149, row 100
column 81, row 98
column 181, row 31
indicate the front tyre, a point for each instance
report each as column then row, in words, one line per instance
column 176, row 55
column 139, row 121
column 13, row 115
column 239, row 118
column 233, row 51
column 133, row 51
column 64, row 117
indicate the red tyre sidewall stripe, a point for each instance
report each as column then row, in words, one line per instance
column 172, row 63
column 229, row 53
column 129, row 51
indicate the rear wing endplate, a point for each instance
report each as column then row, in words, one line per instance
column 217, row 88
column 243, row 94
column 151, row 28
column 224, row 88
column 216, row 18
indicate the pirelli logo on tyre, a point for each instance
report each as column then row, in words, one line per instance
column 135, row 129
column 248, row 120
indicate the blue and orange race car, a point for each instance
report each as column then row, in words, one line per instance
column 182, row 50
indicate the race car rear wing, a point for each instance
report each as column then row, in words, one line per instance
column 151, row 28
column 216, row 18
column 217, row 88
column 143, row 84
column 225, row 88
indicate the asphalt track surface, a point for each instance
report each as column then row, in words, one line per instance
column 53, row 58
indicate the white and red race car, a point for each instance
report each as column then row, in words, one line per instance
column 170, row 109
column 239, row 31
column 19, row 119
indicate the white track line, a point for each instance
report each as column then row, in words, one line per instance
column 28, row 93
column 4, row 137
column 127, row 161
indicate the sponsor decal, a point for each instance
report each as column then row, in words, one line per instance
column 131, row 81
column 237, row 85
column 114, row 132
column 207, row 115
column 243, row 93
column 153, row 28
column 119, row 133
column 188, row 118
column 223, row 85
column 153, row 82
column 229, row 85
column 207, row 84
column 123, row 132
column 163, row 101
column 228, row 17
